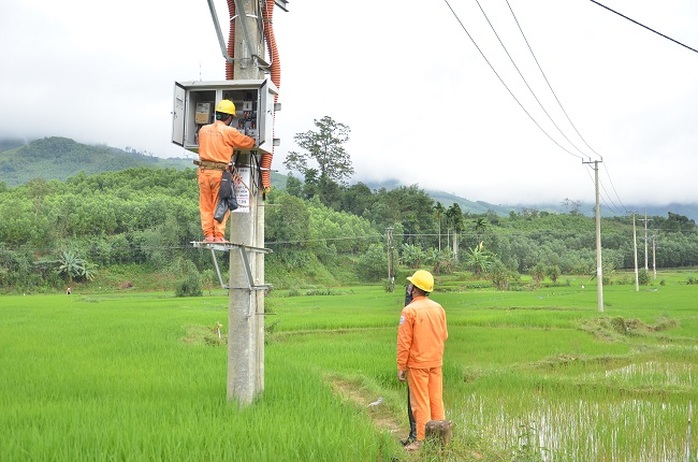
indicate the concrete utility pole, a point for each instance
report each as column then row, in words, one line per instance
column 637, row 279
column 246, row 304
column 391, row 257
column 597, row 213
column 646, row 252
column 654, row 256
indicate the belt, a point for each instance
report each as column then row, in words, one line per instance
column 210, row 165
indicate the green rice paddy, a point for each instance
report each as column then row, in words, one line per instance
column 528, row 375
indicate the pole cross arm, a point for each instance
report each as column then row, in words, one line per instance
column 219, row 33
column 243, row 249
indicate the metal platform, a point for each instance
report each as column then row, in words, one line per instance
column 244, row 250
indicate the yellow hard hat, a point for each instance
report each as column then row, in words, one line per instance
column 226, row 106
column 422, row 279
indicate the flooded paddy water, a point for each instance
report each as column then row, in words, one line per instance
column 640, row 412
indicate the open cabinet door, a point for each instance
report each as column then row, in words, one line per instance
column 265, row 111
column 178, row 115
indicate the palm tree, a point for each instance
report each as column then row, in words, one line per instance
column 454, row 214
column 479, row 227
column 439, row 210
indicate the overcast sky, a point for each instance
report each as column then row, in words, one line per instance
column 409, row 78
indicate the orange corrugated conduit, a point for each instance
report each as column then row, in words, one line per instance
column 275, row 68
column 229, row 69
column 275, row 71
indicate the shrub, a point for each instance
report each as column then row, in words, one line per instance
column 372, row 265
column 190, row 286
column 553, row 272
column 500, row 275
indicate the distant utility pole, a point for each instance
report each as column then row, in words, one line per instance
column 637, row 280
column 597, row 213
column 654, row 256
column 391, row 255
column 646, row 252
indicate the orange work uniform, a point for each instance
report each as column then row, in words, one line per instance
column 420, row 348
column 216, row 144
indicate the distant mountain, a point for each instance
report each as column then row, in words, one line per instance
column 6, row 144
column 447, row 199
column 57, row 158
column 476, row 208
column 587, row 209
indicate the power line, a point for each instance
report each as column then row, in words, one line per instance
column 548, row 83
column 521, row 75
column 545, row 78
column 614, row 207
column 505, row 85
column 608, row 174
column 642, row 25
column 607, row 197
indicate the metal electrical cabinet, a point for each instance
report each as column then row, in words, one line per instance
column 195, row 103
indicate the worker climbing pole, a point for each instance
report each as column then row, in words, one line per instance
column 252, row 80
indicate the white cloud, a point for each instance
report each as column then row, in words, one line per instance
column 422, row 103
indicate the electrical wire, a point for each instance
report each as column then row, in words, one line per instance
column 378, row 236
column 521, row 75
column 614, row 207
column 608, row 174
column 656, row 32
column 642, row 25
column 545, row 77
column 328, row 239
column 455, row 15
column 602, row 190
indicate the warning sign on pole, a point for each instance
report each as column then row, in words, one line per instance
column 242, row 190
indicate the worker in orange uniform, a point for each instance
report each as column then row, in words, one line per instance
column 420, row 348
column 216, row 144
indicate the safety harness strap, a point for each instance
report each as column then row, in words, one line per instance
column 207, row 164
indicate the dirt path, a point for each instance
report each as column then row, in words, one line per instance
column 380, row 414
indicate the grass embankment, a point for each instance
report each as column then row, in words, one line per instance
column 529, row 375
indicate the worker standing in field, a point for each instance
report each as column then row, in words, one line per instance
column 420, row 347
column 216, row 144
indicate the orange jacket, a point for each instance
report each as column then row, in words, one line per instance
column 217, row 141
column 421, row 335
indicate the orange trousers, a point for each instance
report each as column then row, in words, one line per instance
column 209, row 185
column 426, row 396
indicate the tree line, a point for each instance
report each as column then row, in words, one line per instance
column 322, row 230
column 52, row 232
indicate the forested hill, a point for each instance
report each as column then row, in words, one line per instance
column 57, row 158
